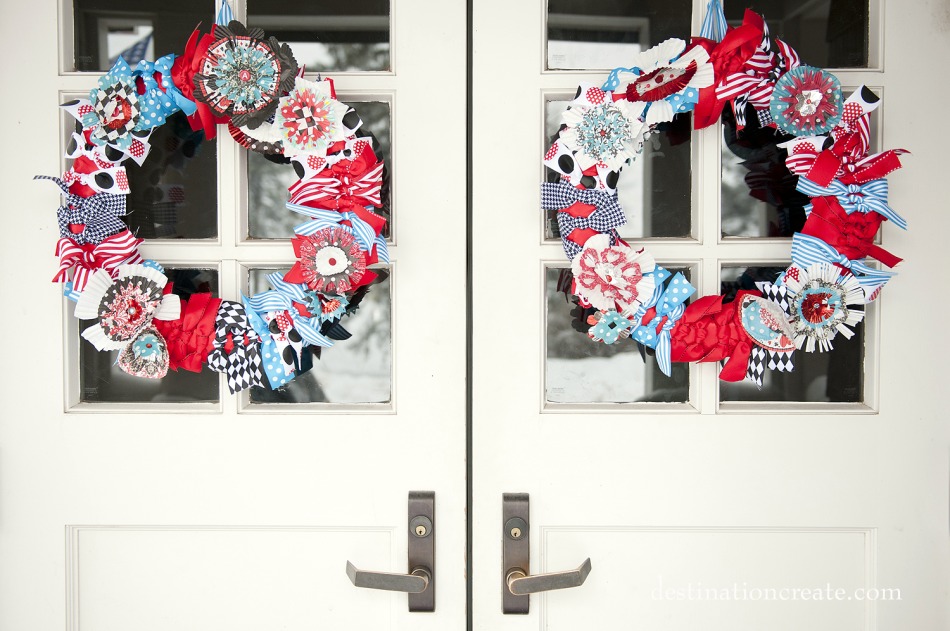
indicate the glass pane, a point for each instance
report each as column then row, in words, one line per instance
column 357, row 370
column 825, row 33
column 659, row 208
column 175, row 191
column 104, row 29
column 101, row 380
column 579, row 370
column 267, row 181
column 600, row 34
column 837, row 376
column 348, row 36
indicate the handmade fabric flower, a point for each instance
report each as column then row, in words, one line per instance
column 609, row 327
column 665, row 78
column 806, row 101
column 242, row 74
column 189, row 338
column 159, row 98
column 612, row 277
column 310, row 119
column 601, row 130
column 822, row 299
column 124, row 307
column 329, row 260
column 327, row 307
column 147, row 355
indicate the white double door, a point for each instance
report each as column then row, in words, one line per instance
column 230, row 518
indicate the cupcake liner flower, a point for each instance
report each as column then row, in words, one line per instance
column 329, row 260
column 309, row 119
column 602, row 131
column 612, row 277
column 821, row 304
column 242, row 75
column 806, row 101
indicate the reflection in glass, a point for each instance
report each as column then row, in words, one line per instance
column 357, row 370
column 348, row 36
column 825, row 33
column 101, row 380
column 579, row 370
column 175, row 191
column 663, row 209
column 837, row 376
column 602, row 34
column 104, row 29
column 758, row 191
column 267, row 216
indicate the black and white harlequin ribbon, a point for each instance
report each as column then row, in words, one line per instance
column 243, row 364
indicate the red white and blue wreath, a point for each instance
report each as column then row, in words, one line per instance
column 240, row 77
column 625, row 294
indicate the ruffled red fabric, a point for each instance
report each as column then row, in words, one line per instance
column 190, row 338
column 852, row 235
column 711, row 331
column 183, row 76
column 727, row 57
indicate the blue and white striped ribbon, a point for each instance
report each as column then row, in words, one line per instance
column 225, row 14
column 714, row 24
column 281, row 298
column 867, row 197
column 670, row 301
column 808, row 250
column 320, row 219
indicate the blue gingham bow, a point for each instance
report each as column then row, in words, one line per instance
column 808, row 250
column 362, row 231
column 864, row 198
column 670, row 301
column 281, row 298
column 607, row 216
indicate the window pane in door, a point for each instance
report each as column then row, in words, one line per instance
column 355, row 370
column 602, row 34
column 105, row 29
column 101, row 380
column 348, row 36
column 837, row 376
column 267, row 181
column 825, row 33
column 579, row 370
column 654, row 191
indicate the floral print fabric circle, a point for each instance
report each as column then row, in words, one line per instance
column 610, row 276
column 127, row 307
column 242, row 75
column 330, row 260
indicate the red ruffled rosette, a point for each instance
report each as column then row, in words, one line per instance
column 183, row 73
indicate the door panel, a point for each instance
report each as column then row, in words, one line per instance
column 232, row 514
column 716, row 490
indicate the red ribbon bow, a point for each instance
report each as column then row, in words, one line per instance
column 852, row 235
column 119, row 249
column 191, row 337
column 844, row 161
column 343, row 190
column 711, row 331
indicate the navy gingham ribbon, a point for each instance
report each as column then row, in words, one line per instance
column 808, row 250
column 608, row 214
column 362, row 231
column 670, row 302
column 864, row 198
column 281, row 298
column 99, row 213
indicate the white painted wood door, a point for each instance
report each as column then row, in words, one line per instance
column 706, row 494
column 227, row 515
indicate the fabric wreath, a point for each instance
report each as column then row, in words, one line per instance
column 309, row 119
column 665, row 78
column 806, row 101
column 242, row 74
column 329, row 260
column 820, row 304
column 612, row 277
column 602, row 131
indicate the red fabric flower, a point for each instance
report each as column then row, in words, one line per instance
column 183, row 76
column 711, row 331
